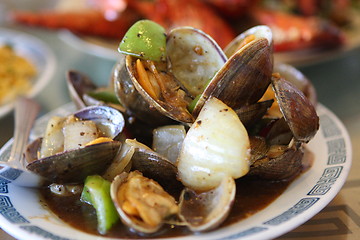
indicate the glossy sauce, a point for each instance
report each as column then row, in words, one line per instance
column 251, row 196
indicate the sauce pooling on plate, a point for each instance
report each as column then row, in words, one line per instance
column 252, row 196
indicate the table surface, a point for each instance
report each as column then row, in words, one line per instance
column 336, row 79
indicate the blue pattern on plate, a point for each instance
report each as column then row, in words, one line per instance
column 9, row 212
column 336, row 151
column 298, row 208
column 4, row 185
column 245, row 233
column 329, row 128
column 11, row 173
column 41, row 232
column 328, row 178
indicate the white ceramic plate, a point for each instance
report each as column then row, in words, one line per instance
column 22, row 215
column 34, row 50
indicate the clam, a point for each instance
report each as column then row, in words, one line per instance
column 207, row 210
column 84, row 92
column 280, row 163
column 153, row 176
column 245, row 76
column 136, row 156
column 196, row 70
column 285, row 136
column 296, row 108
column 150, row 175
column 131, row 99
column 145, row 215
column 251, row 114
column 74, row 164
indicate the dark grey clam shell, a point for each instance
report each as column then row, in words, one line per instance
column 298, row 111
column 75, row 165
column 78, row 84
column 283, row 167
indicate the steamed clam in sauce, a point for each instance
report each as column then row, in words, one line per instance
column 218, row 141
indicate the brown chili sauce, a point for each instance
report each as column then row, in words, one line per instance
column 252, row 195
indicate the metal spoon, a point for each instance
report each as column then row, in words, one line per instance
column 14, row 169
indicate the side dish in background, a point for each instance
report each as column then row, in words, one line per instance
column 297, row 25
column 16, row 74
column 27, row 64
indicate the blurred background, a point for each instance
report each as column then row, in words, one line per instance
column 319, row 37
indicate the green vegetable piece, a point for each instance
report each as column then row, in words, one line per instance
column 97, row 192
column 146, row 40
column 105, row 96
column 193, row 103
column 85, row 196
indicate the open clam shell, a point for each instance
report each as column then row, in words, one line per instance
column 72, row 166
column 75, row 165
column 286, row 163
column 194, row 58
column 128, row 190
column 296, row 108
column 78, row 84
column 131, row 222
column 245, row 76
column 81, row 88
column 207, row 210
column 257, row 31
column 131, row 95
column 191, row 53
column 202, row 71
column 251, row 114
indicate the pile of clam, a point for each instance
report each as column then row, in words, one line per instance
column 211, row 117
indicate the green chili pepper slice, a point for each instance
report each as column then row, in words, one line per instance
column 146, row 40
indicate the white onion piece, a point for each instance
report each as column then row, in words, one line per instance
column 167, row 141
column 78, row 133
column 216, row 145
column 53, row 140
column 120, row 162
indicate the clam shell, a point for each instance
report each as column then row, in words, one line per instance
column 75, row 165
column 132, row 223
column 133, row 97
column 279, row 133
column 78, row 84
column 251, row 114
column 258, row 147
column 207, row 210
column 296, row 108
column 284, row 166
column 194, row 58
column 156, row 167
column 260, row 31
column 245, row 76
column 109, row 120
